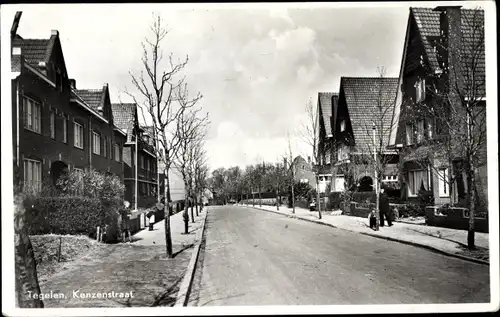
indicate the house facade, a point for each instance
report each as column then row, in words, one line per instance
column 53, row 126
column 361, row 128
column 326, row 112
column 443, row 49
column 140, row 167
column 303, row 171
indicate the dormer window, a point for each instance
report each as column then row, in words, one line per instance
column 342, row 126
column 420, row 90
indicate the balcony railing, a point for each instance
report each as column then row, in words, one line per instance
column 146, row 175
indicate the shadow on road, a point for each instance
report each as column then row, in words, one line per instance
column 183, row 249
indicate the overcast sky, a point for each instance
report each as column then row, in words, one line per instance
column 256, row 65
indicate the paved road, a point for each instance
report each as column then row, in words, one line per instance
column 254, row 257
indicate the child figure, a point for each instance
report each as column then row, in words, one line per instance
column 372, row 219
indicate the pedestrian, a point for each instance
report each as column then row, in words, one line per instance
column 186, row 221
column 125, row 223
column 384, row 209
column 372, row 219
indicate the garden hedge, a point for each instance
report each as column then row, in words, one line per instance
column 72, row 215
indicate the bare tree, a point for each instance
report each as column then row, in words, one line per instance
column 156, row 87
column 452, row 120
column 378, row 129
column 289, row 165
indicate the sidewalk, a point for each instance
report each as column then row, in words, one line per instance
column 179, row 239
column 449, row 241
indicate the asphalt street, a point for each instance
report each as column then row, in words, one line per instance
column 254, row 257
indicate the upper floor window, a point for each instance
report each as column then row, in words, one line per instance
column 141, row 161
column 342, row 126
column 32, row 115
column 117, row 152
column 65, row 129
column 96, row 143
column 420, row 90
column 78, row 135
column 420, row 131
column 52, row 126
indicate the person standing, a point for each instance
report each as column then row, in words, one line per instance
column 384, row 209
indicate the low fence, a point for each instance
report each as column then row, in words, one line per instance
column 453, row 218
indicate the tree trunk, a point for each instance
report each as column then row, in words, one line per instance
column 293, row 199
column 260, row 198
column 471, row 183
column 185, row 214
column 277, row 200
column 192, row 202
column 197, row 202
column 377, row 204
column 25, row 265
column 253, row 199
column 318, row 197
column 168, row 199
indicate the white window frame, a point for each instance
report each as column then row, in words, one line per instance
column 52, row 124
column 342, row 126
column 420, row 127
column 96, row 142
column 430, row 128
column 65, row 129
column 443, row 182
column 78, row 135
column 410, row 180
column 409, row 134
column 32, row 115
column 31, row 177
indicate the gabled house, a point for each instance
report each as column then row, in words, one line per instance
column 303, row 171
column 139, row 159
column 362, row 127
column 50, row 124
column 327, row 108
column 443, row 66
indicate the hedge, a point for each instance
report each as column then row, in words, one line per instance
column 72, row 215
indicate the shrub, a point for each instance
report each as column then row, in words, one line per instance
column 91, row 183
column 64, row 215
column 334, row 200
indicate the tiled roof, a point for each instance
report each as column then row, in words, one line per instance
column 93, row 97
column 124, row 116
column 15, row 63
column 472, row 30
column 34, row 50
column 326, row 109
column 363, row 95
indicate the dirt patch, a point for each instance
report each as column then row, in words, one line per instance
column 479, row 253
column 144, row 272
column 52, row 251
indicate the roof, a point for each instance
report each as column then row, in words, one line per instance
column 93, row 97
column 124, row 117
column 326, row 109
column 472, row 24
column 363, row 95
column 35, row 50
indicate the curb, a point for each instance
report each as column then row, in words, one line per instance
column 415, row 244
column 185, row 287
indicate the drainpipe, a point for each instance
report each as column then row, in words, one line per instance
column 136, row 162
column 17, row 122
column 90, row 142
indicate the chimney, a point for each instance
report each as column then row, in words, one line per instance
column 72, row 83
column 15, row 24
column 54, row 32
column 451, row 39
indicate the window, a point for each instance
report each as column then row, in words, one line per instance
column 420, row 130
column 52, row 125
column 105, row 147
column 390, row 178
column 65, row 129
column 342, row 126
column 78, row 135
column 141, row 161
column 417, row 180
column 420, row 90
column 96, row 143
column 430, row 128
column 147, row 164
column 444, row 187
column 32, row 115
column 32, row 175
column 117, row 152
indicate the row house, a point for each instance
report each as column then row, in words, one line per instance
column 361, row 128
column 443, row 66
column 326, row 111
column 139, row 156
column 54, row 128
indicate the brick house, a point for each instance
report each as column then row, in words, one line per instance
column 363, row 102
column 303, row 171
column 437, row 43
column 327, row 109
column 52, row 126
column 140, row 167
